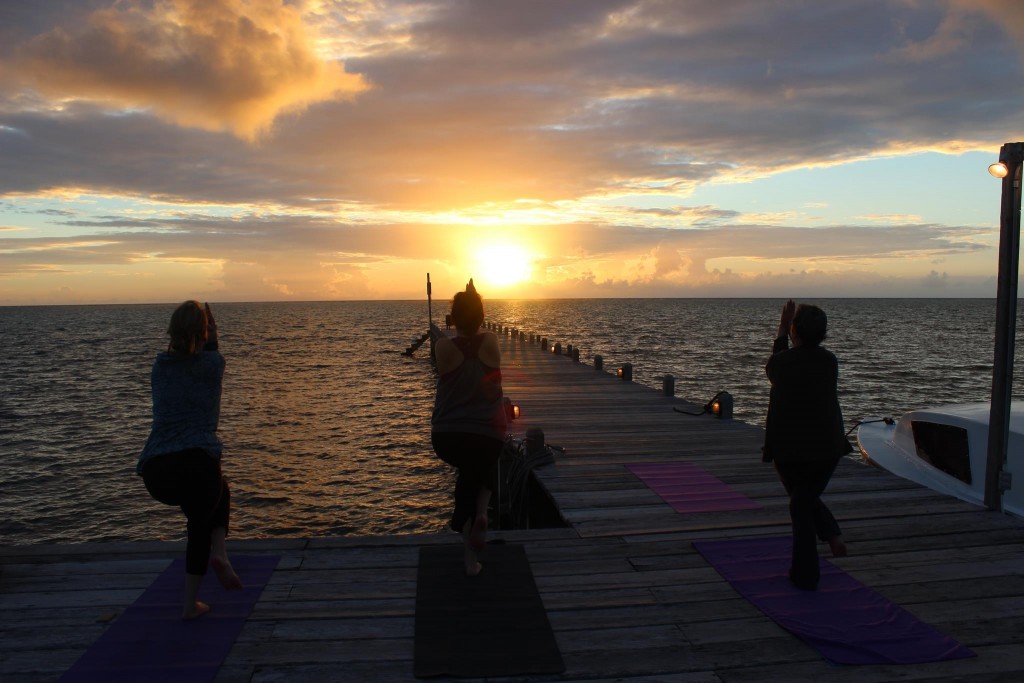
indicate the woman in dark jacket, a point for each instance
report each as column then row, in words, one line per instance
column 804, row 434
column 180, row 463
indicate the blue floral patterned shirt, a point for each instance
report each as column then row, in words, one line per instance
column 186, row 404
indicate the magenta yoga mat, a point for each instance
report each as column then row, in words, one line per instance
column 150, row 642
column 844, row 620
column 688, row 488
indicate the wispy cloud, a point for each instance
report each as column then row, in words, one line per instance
column 889, row 218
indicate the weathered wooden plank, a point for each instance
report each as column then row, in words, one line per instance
column 77, row 598
column 997, row 663
column 333, row 608
column 343, row 629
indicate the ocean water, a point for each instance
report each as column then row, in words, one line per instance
column 326, row 425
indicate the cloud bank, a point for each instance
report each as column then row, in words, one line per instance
column 296, row 149
column 217, row 65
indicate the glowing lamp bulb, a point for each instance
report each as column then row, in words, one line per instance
column 999, row 170
column 619, row 373
column 716, row 408
column 511, row 409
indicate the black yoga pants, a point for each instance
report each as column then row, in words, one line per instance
column 192, row 480
column 475, row 456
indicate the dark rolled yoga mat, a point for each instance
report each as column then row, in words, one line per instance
column 493, row 624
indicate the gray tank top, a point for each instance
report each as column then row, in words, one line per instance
column 469, row 398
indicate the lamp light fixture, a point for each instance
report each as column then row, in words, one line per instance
column 999, row 169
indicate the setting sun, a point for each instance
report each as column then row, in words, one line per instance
column 503, row 264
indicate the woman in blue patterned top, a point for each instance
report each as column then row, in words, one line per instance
column 180, row 463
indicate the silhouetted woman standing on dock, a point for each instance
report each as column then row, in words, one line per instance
column 804, row 433
column 468, row 422
column 180, row 463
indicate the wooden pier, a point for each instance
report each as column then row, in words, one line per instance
column 627, row 595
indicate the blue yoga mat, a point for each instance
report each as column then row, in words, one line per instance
column 844, row 620
column 150, row 642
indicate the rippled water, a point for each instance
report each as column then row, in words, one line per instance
column 894, row 354
column 325, row 423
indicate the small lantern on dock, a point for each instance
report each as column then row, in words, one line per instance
column 557, row 348
column 625, row 372
column 668, row 385
column 721, row 405
column 511, row 409
column 598, row 362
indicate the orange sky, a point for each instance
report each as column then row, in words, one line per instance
column 258, row 150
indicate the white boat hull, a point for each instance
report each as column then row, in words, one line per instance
column 946, row 449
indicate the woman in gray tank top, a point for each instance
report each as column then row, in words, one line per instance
column 468, row 422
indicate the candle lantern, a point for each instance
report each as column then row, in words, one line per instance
column 721, row 405
column 626, row 372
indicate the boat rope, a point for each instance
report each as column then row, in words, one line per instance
column 886, row 420
column 518, row 459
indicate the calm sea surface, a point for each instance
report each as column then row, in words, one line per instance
column 326, row 425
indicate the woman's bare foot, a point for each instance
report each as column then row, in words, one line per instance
column 837, row 546
column 199, row 609
column 478, row 535
column 473, row 569
column 225, row 573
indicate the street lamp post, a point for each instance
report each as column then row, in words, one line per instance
column 1011, row 156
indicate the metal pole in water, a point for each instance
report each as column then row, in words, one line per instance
column 430, row 319
column 430, row 314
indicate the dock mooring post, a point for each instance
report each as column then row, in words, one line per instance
column 430, row 320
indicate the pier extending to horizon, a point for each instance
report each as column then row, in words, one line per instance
column 628, row 597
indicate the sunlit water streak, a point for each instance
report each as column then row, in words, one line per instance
column 325, row 423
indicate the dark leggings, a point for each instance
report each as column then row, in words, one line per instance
column 475, row 456
column 805, row 482
column 192, row 480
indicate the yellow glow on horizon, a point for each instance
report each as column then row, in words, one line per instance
column 502, row 264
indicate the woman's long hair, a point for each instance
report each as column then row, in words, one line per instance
column 188, row 329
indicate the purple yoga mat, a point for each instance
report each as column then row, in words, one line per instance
column 688, row 488
column 150, row 642
column 844, row 620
